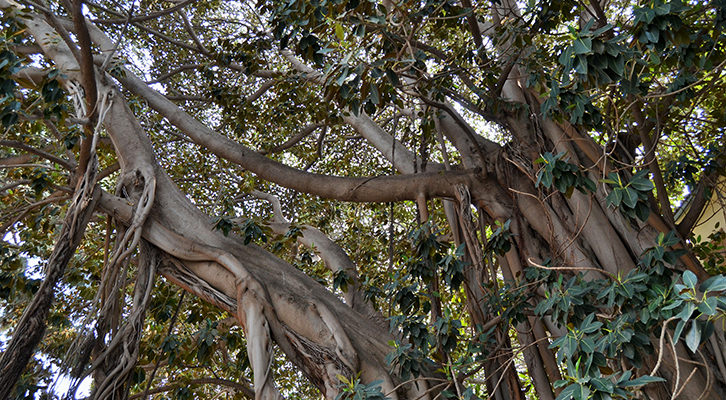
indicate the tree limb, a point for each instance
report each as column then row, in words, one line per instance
column 69, row 165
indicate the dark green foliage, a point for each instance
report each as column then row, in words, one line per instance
column 453, row 267
column 686, row 170
column 251, row 231
column 500, row 241
column 9, row 65
column 353, row 389
column 182, row 393
column 171, row 346
column 406, row 358
column 711, row 251
column 630, row 197
column 224, row 224
column 340, row 280
column 206, row 338
column 447, row 333
column 644, row 299
column 564, row 176
column 14, row 281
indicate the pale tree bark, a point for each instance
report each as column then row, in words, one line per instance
column 318, row 333
column 276, row 303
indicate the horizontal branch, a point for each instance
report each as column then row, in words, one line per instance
column 368, row 189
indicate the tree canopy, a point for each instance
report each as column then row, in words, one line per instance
column 362, row 199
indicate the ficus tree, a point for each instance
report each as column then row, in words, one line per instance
column 362, row 200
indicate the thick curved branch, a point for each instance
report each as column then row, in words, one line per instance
column 371, row 189
column 334, row 257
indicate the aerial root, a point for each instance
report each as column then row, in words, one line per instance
column 344, row 348
column 106, row 304
column 259, row 342
column 126, row 340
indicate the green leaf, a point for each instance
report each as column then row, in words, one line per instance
column 582, row 45
column 589, row 184
column 339, row 32
column 642, row 380
column 587, row 345
column 714, row 284
column 672, row 305
column 546, row 179
column 630, row 197
column 343, row 76
column 693, row 337
column 642, row 211
column 574, row 391
column 689, row 279
column 642, row 184
column 601, row 30
column 375, row 99
column 708, row 306
column 679, row 329
column 685, row 314
column 662, row 8
column 392, row 77
column 615, row 197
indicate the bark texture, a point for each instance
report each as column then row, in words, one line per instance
column 277, row 304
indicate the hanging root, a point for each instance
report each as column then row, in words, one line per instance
column 259, row 342
column 113, row 281
column 123, row 350
column 106, row 304
column 344, row 348
column 468, row 229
